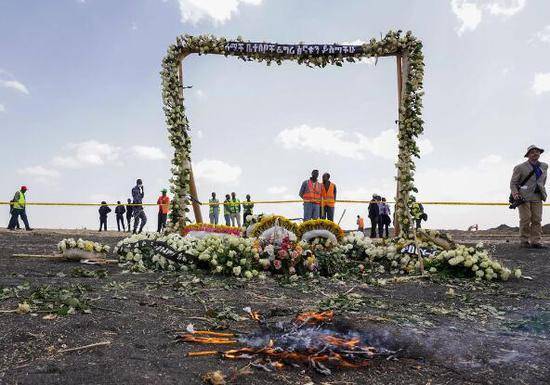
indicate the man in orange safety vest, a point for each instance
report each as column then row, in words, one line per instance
column 310, row 192
column 328, row 198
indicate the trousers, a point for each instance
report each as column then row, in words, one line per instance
column 103, row 223
column 530, row 218
column 161, row 222
column 15, row 214
column 311, row 211
column 373, row 223
column 119, row 221
column 128, row 220
column 227, row 218
column 235, row 219
column 140, row 219
column 328, row 213
column 214, row 217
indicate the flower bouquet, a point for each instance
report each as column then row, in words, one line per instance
column 320, row 228
column 80, row 249
column 280, row 256
column 201, row 230
column 275, row 226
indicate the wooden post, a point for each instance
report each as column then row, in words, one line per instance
column 192, row 185
column 396, row 225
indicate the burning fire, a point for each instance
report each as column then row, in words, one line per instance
column 305, row 340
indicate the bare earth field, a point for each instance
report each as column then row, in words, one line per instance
column 486, row 333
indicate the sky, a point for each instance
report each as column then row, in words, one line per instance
column 81, row 111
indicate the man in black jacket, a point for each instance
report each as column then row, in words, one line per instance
column 103, row 211
column 119, row 211
column 129, row 214
column 374, row 214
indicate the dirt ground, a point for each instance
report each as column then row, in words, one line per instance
column 491, row 333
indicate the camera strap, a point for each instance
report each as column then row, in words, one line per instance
column 527, row 178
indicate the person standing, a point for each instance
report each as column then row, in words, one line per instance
column 140, row 219
column 374, row 213
column 214, row 209
column 528, row 185
column 248, row 208
column 235, row 210
column 164, row 207
column 384, row 219
column 119, row 212
column 103, row 211
column 328, row 198
column 227, row 210
column 310, row 192
column 360, row 224
column 19, row 204
column 129, row 214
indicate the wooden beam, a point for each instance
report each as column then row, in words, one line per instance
column 192, row 185
column 396, row 225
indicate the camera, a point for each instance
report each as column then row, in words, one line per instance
column 515, row 202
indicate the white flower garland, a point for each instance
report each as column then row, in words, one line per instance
column 410, row 121
column 81, row 244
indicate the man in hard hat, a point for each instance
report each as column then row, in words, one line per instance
column 528, row 190
column 164, row 208
column 18, row 209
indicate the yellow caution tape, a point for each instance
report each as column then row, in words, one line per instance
column 435, row 203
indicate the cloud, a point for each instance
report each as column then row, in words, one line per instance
column 200, row 134
column 147, row 152
column 216, row 171
column 469, row 14
column 541, row 83
column 320, row 139
column 347, row 145
column 7, row 80
column 506, row 7
column 276, row 190
column 218, row 11
column 134, row 26
column 87, row 154
column 2, row 108
column 39, row 171
column 543, row 35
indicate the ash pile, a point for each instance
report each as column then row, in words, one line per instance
column 310, row 339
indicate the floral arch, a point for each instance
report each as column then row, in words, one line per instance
column 410, row 59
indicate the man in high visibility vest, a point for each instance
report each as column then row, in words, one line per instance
column 248, row 207
column 328, row 198
column 310, row 192
column 18, row 209
column 164, row 208
column 227, row 209
column 235, row 210
column 214, row 211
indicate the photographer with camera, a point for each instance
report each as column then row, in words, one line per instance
column 527, row 193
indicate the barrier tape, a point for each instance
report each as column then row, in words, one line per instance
column 432, row 203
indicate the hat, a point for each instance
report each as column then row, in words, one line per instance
column 163, row 190
column 24, row 188
column 533, row 147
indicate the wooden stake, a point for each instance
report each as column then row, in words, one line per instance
column 192, row 185
column 396, row 225
column 104, row 343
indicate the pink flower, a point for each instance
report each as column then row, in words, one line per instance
column 283, row 253
column 277, row 264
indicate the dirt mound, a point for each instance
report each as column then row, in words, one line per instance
column 504, row 227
